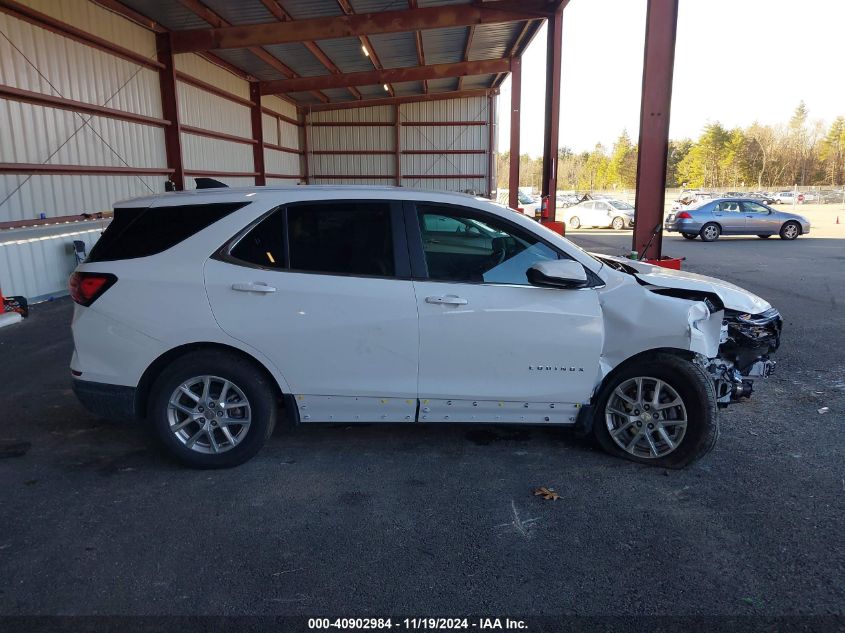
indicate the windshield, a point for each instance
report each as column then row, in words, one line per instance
column 622, row 206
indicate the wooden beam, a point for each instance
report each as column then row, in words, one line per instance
column 393, row 75
column 355, row 25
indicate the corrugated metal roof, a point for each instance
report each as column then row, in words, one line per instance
column 394, row 50
column 444, row 46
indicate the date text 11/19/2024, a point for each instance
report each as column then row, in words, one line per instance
column 429, row 624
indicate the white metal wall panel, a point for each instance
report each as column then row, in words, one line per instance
column 29, row 196
column 201, row 152
column 200, row 108
column 470, row 137
column 276, row 162
column 371, row 114
column 204, row 70
column 98, row 21
column 472, row 185
column 279, row 105
column 283, row 182
column 37, row 134
column 350, row 138
column 280, row 132
column 36, row 263
column 467, row 109
column 352, row 165
column 43, row 61
column 351, row 180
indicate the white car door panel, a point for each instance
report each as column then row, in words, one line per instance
column 347, row 345
column 494, row 348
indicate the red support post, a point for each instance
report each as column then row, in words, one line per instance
column 554, row 38
column 491, row 141
column 170, row 111
column 658, row 66
column 257, row 134
column 304, row 128
column 516, row 101
column 397, row 144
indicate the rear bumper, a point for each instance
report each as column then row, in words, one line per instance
column 112, row 402
column 682, row 226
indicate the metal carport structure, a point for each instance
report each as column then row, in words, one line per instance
column 105, row 99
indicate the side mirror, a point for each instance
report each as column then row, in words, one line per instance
column 557, row 273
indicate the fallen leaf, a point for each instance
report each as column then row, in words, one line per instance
column 547, row 493
column 824, row 409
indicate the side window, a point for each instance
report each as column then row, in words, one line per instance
column 728, row 206
column 345, row 238
column 264, row 245
column 485, row 250
column 753, row 207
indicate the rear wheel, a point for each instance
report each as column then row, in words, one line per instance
column 659, row 411
column 618, row 223
column 212, row 409
column 689, row 236
column 710, row 232
column 574, row 222
column 790, row 231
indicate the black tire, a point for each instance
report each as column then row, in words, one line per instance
column 790, row 230
column 695, row 389
column 246, row 375
column 618, row 223
column 574, row 222
column 764, row 237
column 710, row 232
column 689, row 236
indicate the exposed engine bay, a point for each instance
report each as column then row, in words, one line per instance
column 750, row 327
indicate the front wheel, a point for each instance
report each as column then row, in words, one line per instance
column 574, row 222
column 212, row 409
column 689, row 236
column 790, row 231
column 618, row 223
column 710, row 232
column 659, row 411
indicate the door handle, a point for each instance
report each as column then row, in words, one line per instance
column 449, row 300
column 253, row 287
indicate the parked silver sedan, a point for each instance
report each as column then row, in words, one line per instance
column 735, row 216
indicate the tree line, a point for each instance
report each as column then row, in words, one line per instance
column 800, row 152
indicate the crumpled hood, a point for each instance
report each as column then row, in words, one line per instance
column 734, row 297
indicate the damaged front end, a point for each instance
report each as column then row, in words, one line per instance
column 746, row 343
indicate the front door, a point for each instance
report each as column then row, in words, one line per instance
column 316, row 287
column 492, row 347
column 759, row 220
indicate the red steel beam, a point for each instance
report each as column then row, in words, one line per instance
column 130, row 14
column 554, row 38
column 49, row 23
column 352, row 176
column 217, row 21
column 51, row 101
column 79, row 170
column 393, row 75
column 397, row 144
column 199, row 83
column 352, row 152
column 439, row 152
column 257, row 134
column 221, row 174
column 432, row 96
column 283, row 16
column 491, row 139
column 60, row 219
column 304, row 128
column 658, row 69
column 170, row 110
column 467, row 46
column 444, row 123
column 412, row 4
column 287, row 176
column 355, row 25
column 222, row 136
column 282, row 148
column 443, row 176
column 516, row 106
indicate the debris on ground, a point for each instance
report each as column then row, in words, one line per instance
column 547, row 493
column 14, row 449
column 824, row 409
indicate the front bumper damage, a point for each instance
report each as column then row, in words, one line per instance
column 747, row 341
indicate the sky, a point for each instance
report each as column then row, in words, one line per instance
column 736, row 62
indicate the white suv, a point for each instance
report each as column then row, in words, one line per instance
column 206, row 311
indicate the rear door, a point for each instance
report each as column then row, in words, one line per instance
column 728, row 215
column 323, row 290
column 493, row 347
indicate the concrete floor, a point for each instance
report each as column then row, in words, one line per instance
column 440, row 521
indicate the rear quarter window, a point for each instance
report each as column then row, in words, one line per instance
column 143, row 232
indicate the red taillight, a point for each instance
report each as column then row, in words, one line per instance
column 683, row 215
column 86, row 288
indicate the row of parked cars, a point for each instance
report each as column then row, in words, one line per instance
column 828, row 196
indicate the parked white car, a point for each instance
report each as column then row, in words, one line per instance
column 602, row 214
column 206, row 311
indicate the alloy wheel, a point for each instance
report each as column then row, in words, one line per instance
column 646, row 417
column 209, row 414
column 711, row 232
column 790, row 231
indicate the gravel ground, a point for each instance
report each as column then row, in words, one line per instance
column 435, row 520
